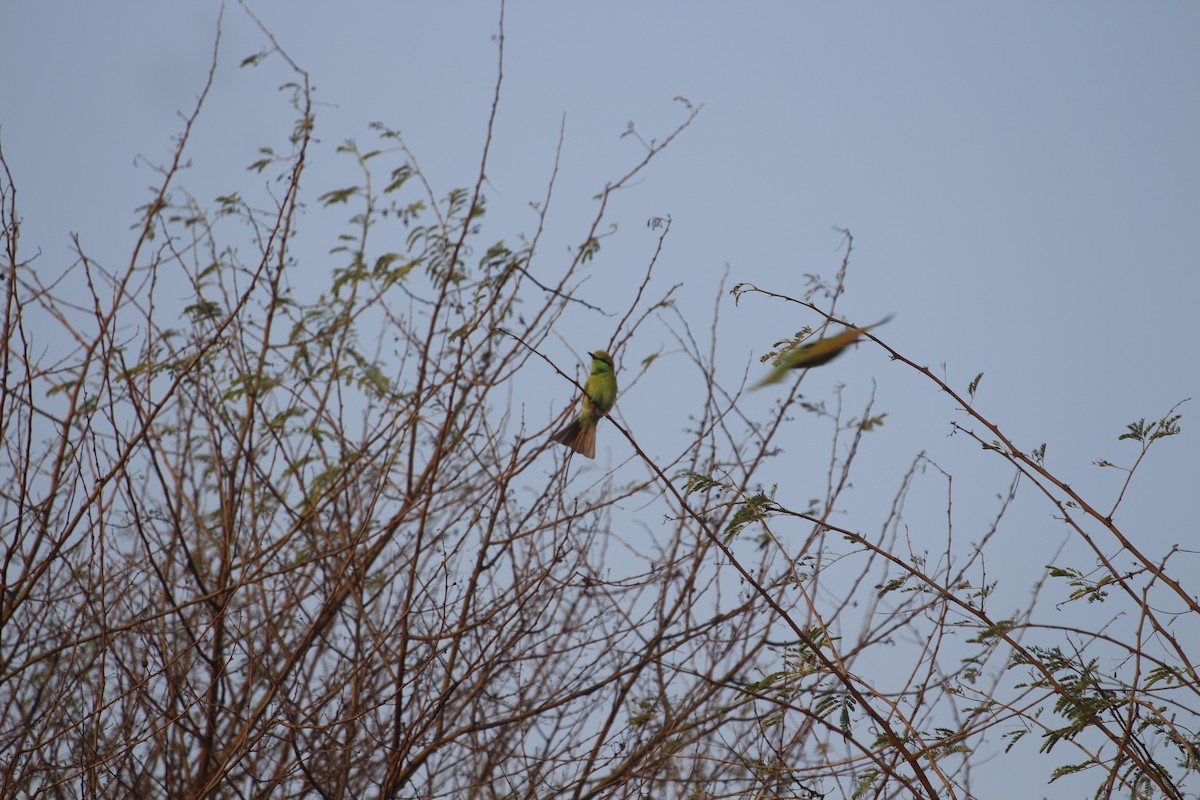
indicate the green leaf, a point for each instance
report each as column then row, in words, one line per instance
column 864, row 782
column 1135, row 430
column 753, row 510
column 892, row 585
column 871, row 423
column 1014, row 737
column 589, row 250
column 1168, row 675
column 205, row 309
column 994, row 631
column 399, row 176
column 1070, row 769
column 765, row 682
column 695, row 482
column 385, row 272
column 338, row 195
column 974, row 385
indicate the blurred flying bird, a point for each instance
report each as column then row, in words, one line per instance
column 814, row 354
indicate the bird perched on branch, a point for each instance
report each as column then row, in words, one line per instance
column 599, row 395
column 814, row 354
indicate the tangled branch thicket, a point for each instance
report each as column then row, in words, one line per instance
column 261, row 546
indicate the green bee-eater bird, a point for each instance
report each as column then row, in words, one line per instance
column 599, row 395
column 814, row 354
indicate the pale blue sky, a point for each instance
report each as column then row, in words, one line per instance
column 1023, row 181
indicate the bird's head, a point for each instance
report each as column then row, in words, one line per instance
column 600, row 355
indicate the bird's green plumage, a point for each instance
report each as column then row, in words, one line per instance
column 601, row 385
column 599, row 396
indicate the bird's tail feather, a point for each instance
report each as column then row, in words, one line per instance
column 579, row 437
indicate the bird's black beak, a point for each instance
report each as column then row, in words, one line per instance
column 592, row 355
